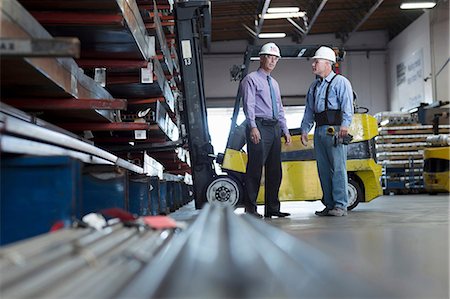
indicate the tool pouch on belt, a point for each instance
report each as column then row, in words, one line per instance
column 329, row 117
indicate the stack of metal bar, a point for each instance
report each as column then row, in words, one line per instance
column 78, row 263
column 400, row 146
column 221, row 255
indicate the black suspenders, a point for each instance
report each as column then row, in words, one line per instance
column 328, row 116
column 327, row 92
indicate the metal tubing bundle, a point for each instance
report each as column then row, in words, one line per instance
column 223, row 255
column 78, row 263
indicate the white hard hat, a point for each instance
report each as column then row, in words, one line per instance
column 271, row 49
column 325, row 53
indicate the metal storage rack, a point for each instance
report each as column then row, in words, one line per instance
column 400, row 152
column 54, row 106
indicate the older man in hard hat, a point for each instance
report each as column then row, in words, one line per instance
column 265, row 125
column 329, row 104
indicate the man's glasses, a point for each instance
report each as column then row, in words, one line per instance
column 273, row 57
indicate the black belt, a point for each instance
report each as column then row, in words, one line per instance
column 267, row 121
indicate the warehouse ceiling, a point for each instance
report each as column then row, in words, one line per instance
column 238, row 19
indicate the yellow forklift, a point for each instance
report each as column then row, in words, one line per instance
column 300, row 177
column 436, row 155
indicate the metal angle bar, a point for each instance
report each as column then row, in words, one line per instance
column 364, row 19
column 162, row 39
column 54, row 47
column 133, row 18
column 68, row 104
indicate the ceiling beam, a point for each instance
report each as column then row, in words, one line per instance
column 363, row 20
column 297, row 26
column 261, row 21
column 313, row 20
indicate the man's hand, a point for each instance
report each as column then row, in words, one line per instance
column 304, row 139
column 255, row 136
column 343, row 131
column 287, row 138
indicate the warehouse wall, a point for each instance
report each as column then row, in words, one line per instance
column 439, row 22
column 364, row 65
column 420, row 56
column 409, row 64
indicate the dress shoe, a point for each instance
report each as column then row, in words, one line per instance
column 278, row 214
column 255, row 214
column 324, row 212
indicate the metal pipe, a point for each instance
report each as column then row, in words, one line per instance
column 57, row 271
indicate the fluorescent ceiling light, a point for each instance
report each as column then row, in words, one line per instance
column 284, row 15
column 417, row 5
column 282, row 9
column 272, row 35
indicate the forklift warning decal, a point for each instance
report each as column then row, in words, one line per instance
column 187, row 53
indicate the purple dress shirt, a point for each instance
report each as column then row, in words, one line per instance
column 257, row 101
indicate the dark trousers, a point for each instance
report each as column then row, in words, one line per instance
column 267, row 153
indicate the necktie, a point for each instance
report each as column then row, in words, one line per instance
column 274, row 99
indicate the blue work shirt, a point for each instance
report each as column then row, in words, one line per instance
column 257, row 101
column 340, row 96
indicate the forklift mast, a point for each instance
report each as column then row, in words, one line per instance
column 193, row 29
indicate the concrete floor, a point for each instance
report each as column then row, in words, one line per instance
column 402, row 239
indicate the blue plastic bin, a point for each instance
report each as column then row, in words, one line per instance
column 36, row 193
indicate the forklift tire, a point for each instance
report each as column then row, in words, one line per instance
column 355, row 194
column 224, row 191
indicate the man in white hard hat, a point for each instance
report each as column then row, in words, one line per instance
column 265, row 125
column 329, row 104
